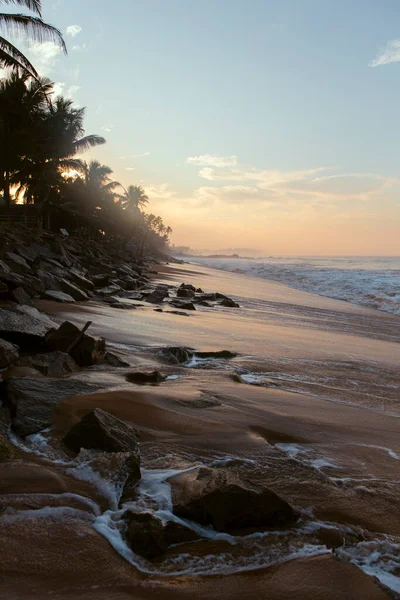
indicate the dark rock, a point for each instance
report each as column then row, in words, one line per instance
column 58, row 296
column 3, row 288
column 149, row 537
column 101, row 280
column 184, row 305
column 24, row 326
column 219, row 296
column 219, row 354
column 177, row 312
column 51, row 364
column 4, row 268
column 145, row 534
column 32, row 401
column 31, row 284
column 209, row 297
column 20, row 296
column 178, row 354
column 158, row 295
column 122, row 305
column 85, row 353
column 204, row 303
column 199, row 291
column 79, row 280
column 109, row 291
column 229, row 303
column 115, row 361
column 187, row 286
column 69, row 288
column 48, row 281
column 184, row 293
column 219, row 498
column 158, row 310
column 9, row 354
column 121, row 469
column 98, row 430
column 153, row 378
column 17, row 263
column 29, row 253
column 125, row 270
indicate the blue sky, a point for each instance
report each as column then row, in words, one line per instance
column 275, row 122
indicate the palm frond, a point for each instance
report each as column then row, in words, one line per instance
column 34, row 27
column 14, row 58
column 33, row 5
column 89, row 141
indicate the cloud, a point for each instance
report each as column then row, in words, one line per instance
column 72, row 90
column 80, row 48
column 210, row 160
column 133, row 156
column 264, row 177
column 130, row 168
column 73, row 30
column 44, row 56
column 160, row 191
column 389, row 54
column 107, row 128
column 58, row 88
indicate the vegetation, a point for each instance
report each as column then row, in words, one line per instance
column 41, row 138
column 33, row 26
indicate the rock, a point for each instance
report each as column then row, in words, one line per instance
column 100, row 281
column 158, row 295
column 228, row 302
column 52, row 364
column 80, row 281
column 219, row 498
column 115, row 361
column 32, row 401
column 209, row 297
column 153, row 378
column 16, row 263
column 219, row 354
column 58, row 296
column 145, row 534
column 177, row 312
column 158, row 310
column 120, row 469
column 29, row 253
column 98, row 430
column 20, row 296
column 69, row 288
column 31, row 284
column 4, row 268
column 9, row 354
column 7, row 451
column 187, row 286
column 149, row 537
column 48, row 281
column 178, row 354
column 3, row 287
column 24, row 326
column 199, row 291
column 184, row 293
column 109, row 291
column 184, row 305
column 122, row 305
column 85, row 353
column 125, row 270
column 204, row 303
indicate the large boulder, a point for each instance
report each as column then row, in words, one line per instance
column 185, row 293
column 24, row 326
column 64, row 339
column 69, row 288
column 9, row 354
column 51, row 364
column 99, row 430
column 16, row 263
column 229, row 303
column 20, row 296
column 32, row 401
column 178, row 354
column 81, row 281
column 58, row 296
column 149, row 537
column 218, row 354
column 228, row 503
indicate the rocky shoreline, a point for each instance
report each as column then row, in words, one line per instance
column 102, row 440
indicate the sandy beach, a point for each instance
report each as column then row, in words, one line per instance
column 309, row 407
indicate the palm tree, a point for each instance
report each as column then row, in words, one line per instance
column 134, row 199
column 39, row 138
column 34, row 27
column 95, row 189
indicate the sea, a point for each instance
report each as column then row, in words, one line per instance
column 372, row 281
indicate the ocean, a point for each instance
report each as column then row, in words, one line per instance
column 370, row 281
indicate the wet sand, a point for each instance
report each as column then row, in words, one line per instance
column 310, row 407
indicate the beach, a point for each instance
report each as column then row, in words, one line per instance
column 309, row 408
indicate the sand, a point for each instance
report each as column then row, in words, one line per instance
column 310, row 407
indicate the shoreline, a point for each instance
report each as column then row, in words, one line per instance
column 314, row 453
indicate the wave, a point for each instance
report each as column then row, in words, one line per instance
column 371, row 282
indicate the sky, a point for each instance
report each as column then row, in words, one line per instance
column 267, row 124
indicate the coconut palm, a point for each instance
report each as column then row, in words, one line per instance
column 33, row 26
column 94, row 189
column 134, row 199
